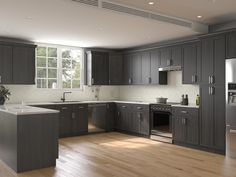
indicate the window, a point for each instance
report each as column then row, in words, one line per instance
column 58, row 67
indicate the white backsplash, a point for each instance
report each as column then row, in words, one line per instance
column 172, row 91
column 29, row 93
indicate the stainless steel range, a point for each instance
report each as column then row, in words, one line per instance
column 161, row 122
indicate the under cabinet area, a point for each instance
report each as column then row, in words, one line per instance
column 185, row 125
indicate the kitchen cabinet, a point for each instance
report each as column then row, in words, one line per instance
column 186, row 125
column 171, row 56
column 132, row 69
column 191, row 63
column 97, row 68
column 212, row 93
column 165, row 54
column 23, row 64
column 6, row 64
column 141, row 119
column 176, row 56
column 231, row 45
column 115, row 69
column 212, row 122
column 133, row 118
column 213, row 60
column 156, row 77
column 127, row 69
column 65, row 120
column 17, row 63
column 146, row 65
column 110, row 117
column 136, row 69
column 79, row 119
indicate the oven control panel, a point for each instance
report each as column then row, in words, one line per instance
column 159, row 107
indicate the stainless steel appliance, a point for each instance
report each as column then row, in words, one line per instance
column 161, row 122
column 231, row 108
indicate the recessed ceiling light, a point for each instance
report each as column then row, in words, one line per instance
column 151, row 3
column 199, row 16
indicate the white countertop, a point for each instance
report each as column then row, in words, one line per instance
column 111, row 101
column 19, row 109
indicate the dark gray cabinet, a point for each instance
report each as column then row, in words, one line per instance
column 171, row 56
column 186, row 125
column 115, row 69
column 146, row 67
column 156, row 77
column 110, row 117
column 213, row 60
column 97, row 68
column 176, row 56
column 191, row 63
column 6, row 64
column 17, row 63
column 141, row 119
column 212, row 122
column 24, row 64
column 80, row 119
column 231, row 45
column 65, row 120
column 212, row 92
column 133, row 118
column 136, row 69
column 127, row 69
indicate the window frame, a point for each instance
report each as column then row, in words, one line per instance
column 59, row 67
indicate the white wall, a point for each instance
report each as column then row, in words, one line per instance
column 173, row 90
column 29, row 93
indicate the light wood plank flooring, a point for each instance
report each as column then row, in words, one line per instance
column 119, row 155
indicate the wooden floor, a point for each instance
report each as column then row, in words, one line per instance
column 119, row 155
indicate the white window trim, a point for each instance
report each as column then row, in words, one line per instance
column 59, row 67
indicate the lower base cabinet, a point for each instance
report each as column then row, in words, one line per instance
column 186, row 125
column 133, row 118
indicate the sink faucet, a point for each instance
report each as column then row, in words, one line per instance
column 64, row 96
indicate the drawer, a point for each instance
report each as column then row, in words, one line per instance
column 183, row 111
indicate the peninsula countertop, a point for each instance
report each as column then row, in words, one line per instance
column 19, row 109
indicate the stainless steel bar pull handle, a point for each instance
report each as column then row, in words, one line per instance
column 192, row 78
column 0, row 79
column 212, row 79
column 209, row 90
column 232, row 131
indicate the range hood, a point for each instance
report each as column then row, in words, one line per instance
column 170, row 68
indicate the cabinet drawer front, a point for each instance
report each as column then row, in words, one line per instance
column 185, row 111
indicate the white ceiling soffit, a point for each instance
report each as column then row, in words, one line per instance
column 195, row 26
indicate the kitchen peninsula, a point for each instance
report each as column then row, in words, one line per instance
column 28, row 137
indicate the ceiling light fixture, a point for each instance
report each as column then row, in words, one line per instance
column 199, row 16
column 151, row 3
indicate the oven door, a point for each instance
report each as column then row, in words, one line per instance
column 161, row 124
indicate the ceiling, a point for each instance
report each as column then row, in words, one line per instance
column 212, row 11
column 70, row 23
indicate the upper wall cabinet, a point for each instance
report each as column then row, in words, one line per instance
column 231, row 45
column 17, row 63
column 171, row 56
column 115, row 69
column 97, row 68
column 5, row 64
column 213, row 60
column 191, row 63
column 24, row 65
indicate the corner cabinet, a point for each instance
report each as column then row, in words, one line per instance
column 97, row 68
column 17, row 63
